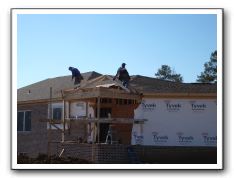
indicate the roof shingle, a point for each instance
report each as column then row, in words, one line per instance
column 41, row 90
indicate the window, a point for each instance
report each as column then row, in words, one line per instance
column 120, row 101
column 105, row 100
column 125, row 101
column 104, row 112
column 24, row 121
column 57, row 113
column 130, row 101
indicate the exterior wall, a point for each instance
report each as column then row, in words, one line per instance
column 77, row 131
column 124, row 111
column 34, row 141
column 176, row 122
column 123, row 131
column 118, row 154
column 96, row 153
column 176, row 155
column 171, row 122
column 78, row 109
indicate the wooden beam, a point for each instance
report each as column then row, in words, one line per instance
column 102, row 92
column 63, row 121
column 61, row 153
column 50, row 118
column 81, row 95
column 93, row 80
column 118, row 83
column 69, row 109
column 54, row 125
column 98, row 117
column 86, row 108
column 96, row 120
column 86, row 125
column 111, row 120
column 52, row 121
column 114, row 93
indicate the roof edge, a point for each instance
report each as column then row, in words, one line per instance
column 184, row 95
column 145, row 95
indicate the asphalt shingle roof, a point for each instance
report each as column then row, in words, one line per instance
column 153, row 85
column 41, row 90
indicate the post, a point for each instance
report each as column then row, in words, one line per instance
column 50, row 119
column 87, row 109
column 69, row 109
column 98, row 117
column 141, row 130
column 86, row 123
column 68, row 117
column 63, row 121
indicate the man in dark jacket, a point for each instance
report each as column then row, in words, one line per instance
column 76, row 74
column 122, row 75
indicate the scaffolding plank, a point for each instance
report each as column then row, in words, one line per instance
column 95, row 120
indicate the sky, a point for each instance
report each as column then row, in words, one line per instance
column 47, row 44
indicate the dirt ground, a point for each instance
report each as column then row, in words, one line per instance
column 44, row 159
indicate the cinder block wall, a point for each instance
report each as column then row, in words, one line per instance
column 176, row 155
column 118, row 154
column 96, row 153
column 111, row 154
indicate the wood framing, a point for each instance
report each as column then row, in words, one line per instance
column 86, row 94
column 100, row 92
column 96, row 120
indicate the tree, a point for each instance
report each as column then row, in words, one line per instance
column 210, row 70
column 165, row 73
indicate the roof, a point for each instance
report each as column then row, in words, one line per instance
column 138, row 83
column 153, row 85
column 41, row 90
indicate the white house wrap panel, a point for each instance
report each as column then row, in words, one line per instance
column 176, row 122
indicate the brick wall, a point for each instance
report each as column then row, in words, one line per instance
column 34, row 141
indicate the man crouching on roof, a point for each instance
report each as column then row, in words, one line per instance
column 77, row 75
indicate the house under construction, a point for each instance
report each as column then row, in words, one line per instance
column 100, row 119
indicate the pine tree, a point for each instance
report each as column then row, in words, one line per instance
column 165, row 73
column 210, row 70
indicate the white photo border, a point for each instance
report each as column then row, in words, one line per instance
column 218, row 11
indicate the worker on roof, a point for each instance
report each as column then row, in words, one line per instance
column 122, row 75
column 76, row 74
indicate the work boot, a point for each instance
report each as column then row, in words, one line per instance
column 77, row 86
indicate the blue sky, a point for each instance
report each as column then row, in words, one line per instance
column 49, row 44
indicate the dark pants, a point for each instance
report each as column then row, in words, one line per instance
column 77, row 80
column 125, row 83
